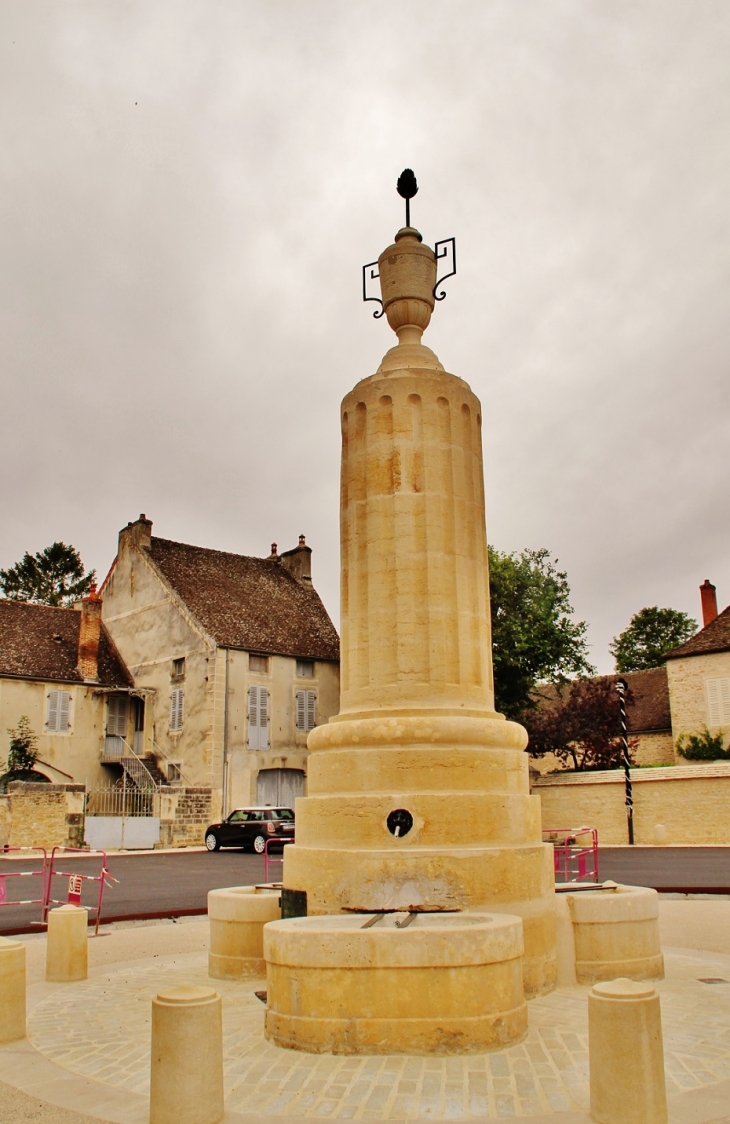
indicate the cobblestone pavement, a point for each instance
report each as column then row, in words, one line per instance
column 100, row 1029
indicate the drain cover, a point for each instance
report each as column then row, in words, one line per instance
column 712, row 980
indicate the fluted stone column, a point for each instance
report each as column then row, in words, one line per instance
column 417, row 732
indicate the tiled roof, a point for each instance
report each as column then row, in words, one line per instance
column 647, row 709
column 251, row 603
column 39, row 642
column 714, row 637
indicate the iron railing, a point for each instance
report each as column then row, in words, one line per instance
column 117, row 750
column 119, row 800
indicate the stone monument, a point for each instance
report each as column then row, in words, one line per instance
column 418, row 790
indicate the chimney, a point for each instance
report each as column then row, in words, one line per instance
column 137, row 535
column 299, row 561
column 274, row 556
column 89, row 633
column 708, row 593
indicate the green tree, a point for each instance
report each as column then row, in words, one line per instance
column 54, row 576
column 580, row 723
column 23, row 747
column 22, row 756
column 651, row 633
column 534, row 636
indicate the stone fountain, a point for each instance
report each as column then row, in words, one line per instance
column 418, row 796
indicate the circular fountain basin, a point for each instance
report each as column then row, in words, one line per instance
column 615, row 933
column 425, row 983
column 237, row 916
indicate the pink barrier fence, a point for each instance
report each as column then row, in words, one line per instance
column 271, row 859
column 76, row 881
column 8, row 874
column 575, row 853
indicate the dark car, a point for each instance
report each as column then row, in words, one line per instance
column 250, row 828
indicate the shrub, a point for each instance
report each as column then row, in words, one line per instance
column 703, row 746
column 23, row 746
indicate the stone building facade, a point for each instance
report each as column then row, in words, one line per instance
column 237, row 657
column 61, row 669
column 699, row 674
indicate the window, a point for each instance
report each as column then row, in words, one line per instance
column 258, row 718
column 174, row 773
column 258, row 663
column 306, row 710
column 305, row 669
column 178, row 668
column 58, row 712
column 177, row 700
column 718, row 701
column 117, row 709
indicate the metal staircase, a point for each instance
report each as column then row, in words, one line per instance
column 142, row 772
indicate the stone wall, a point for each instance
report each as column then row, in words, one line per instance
column 184, row 815
column 42, row 815
column 692, row 801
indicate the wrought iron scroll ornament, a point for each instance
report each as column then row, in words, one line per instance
column 407, row 187
column 371, row 276
column 441, row 250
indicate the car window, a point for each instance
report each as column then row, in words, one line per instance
column 238, row 816
column 283, row 814
column 259, row 815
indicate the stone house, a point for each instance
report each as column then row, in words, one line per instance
column 699, row 673
column 236, row 655
column 61, row 668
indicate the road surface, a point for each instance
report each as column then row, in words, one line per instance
column 174, row 884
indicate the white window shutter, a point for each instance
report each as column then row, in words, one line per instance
column 253, row 718
column 176, row 708
column 52, row 716
column 311, row 710
column 301, row 710
column 263, row 717
column 714, row 701
column 64, row 711
column 725, row 702
column 116, row 725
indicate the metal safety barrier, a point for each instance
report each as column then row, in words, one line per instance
column 575, row 853
column 269, row 859
column 6, row 876
column 76, row 882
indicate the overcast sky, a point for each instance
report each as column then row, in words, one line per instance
column 190, row 189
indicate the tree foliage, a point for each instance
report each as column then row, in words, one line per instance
column 651, row 633
column 54, row 576
column 534, row 636
column 22, row 756
column 703, row 746
column 580, row 723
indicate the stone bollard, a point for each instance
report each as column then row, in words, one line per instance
column 67, row 945
column 186, row 1074
column 626, row 1054
column 660, row 835
column 12, row 990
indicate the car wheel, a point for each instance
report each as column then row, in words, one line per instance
column 259, row 843
column 212, row 842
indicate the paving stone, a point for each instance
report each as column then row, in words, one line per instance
column 100, row 1029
